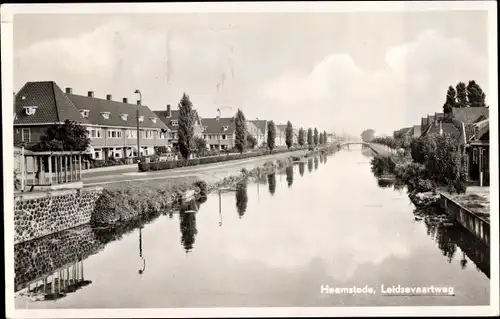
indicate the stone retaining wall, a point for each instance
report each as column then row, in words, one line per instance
column 43, row 213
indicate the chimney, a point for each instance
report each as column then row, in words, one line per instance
column 69, row 91
column 90, row 93
column 125, row 100
column 138, row 102
column 169, row 111
column 108, row 97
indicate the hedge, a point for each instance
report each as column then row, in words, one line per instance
column 158, row 166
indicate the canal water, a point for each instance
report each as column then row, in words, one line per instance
column 326, row 222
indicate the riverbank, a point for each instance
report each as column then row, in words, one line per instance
column 125, row 202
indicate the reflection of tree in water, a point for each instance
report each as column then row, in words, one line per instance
column 188, row 225
column 271, row 179
column 447, row 240
column 289, row 175
column 316, row 163
column 384, row 183
column 302, row 167
column 321, row 158
column 366, row 151
column 241, row 198
column 310, row 165
column 325, row 158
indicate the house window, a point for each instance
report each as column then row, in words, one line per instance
column 98, row 154
column 474, row 155
column 141, row 118
column 124, row 117
column 94, row 132
column 26, row 135
column 175, row 123
column 223, row 136
column 147, row 134
column 153, row 119
column 115, row 134
column 105, row 115
column 225, row 128
column 30, row 110
column 204, row 136
column 131, row 133
column 117, row 153
column 85, row 113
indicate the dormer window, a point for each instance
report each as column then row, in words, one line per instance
column 124, row 117
column 153, row 119
column 30, row 110
column 175, row 123
column 105, row 115
column 141, row 118
column 226, row 128
column 85, row 113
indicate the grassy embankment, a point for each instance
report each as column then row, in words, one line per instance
column 133, row 202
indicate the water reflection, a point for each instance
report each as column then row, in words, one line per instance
column 385, row 183
column 271, row 180
column 302, row 167
column 52, row 266
column 289, row 175
column 310, row 165
column 448, row 239
column 241, row 198
column 366, row 151
column 143, row 260
column 187, row 217
column 316, row 162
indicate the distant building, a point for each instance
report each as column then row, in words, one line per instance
column 477, row 143
column 280, row 135
column 416, row 131
column 171, row 119
column 219, row 133
column 261, row 135
column 112, row 125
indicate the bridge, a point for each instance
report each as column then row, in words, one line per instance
column 376, row 148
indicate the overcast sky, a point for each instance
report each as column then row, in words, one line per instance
column 333, row 71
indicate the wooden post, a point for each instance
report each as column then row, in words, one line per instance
column 81, row 269
column 44, row 285
column 80, row 167
column 22, row 163
column 50, row 169
column 59, row 281
column 67, row 277
column 481, row 167
column 66, row 165
column 53, row 285
column 70, row 168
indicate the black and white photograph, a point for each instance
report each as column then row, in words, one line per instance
column 250, row 159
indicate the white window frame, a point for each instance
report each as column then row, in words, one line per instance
column 118, row 134
column 105, row 115
column 124, row 117
column 29, row 134
column 98, row 154
column 175, row 122
column 141, row 118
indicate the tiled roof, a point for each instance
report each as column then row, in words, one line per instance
column 162, row 115
column 116, row 109
column 448, row 128
column 53, row 106
column 261, row 124
column 213, row 126
column 470, row 114
column 251, row 127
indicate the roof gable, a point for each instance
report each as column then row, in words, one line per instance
column 261, row 124
column 53, row 106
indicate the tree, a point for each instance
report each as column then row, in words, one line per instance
column 271, row 135
column 451, row 101
column 251, row 141
column 302, row 139
column 200, row 144
column 325, row 137
column 462, row 95
column 240, row 132
column 186, row 126
column 368, row 135
column 316, row 137
column 69, row 136
column 310, row 136
column 475, row 95
column 289, row 134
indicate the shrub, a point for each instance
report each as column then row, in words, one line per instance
column 382, row 165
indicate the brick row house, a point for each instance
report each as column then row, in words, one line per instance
column 219, row 133
column 112, row 125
